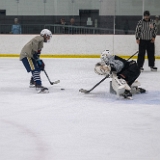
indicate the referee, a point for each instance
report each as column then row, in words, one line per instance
column 145, row 36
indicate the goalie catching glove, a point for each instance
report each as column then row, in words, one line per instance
column 102, row 69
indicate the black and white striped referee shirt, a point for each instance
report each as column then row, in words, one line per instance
column 146, row 30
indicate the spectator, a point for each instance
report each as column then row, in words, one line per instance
column 146, row 31
column 72, row 29
column 157, row 22
column 62, row 21
column 72, row 21
column 16, row 27
column 62, row 28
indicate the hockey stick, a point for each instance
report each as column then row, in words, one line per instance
column 132, row 56
column 55, row 82
column 88, row 91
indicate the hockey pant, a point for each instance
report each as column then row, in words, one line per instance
column 31, row 66
column 150, row 47
column 130, row 73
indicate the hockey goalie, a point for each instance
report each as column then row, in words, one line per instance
column 123, row 73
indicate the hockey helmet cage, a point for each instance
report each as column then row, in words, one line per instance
column 106, row 52
column 105, row 56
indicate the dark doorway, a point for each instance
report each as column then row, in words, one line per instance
column 2, row 12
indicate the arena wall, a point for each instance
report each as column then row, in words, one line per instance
column 75, row 46
column 72, row 7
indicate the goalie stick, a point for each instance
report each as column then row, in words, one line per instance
column 55, row 82
column 132, row 56
column 88, row 91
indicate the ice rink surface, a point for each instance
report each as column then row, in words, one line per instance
column 69, row 125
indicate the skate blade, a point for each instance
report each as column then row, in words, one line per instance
column 154, row 70
column 43, row 91
column 127, row 97
column 130, row 98
column 32, row 86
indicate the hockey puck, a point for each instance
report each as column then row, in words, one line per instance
column 62, row 89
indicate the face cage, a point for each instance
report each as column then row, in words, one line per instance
column 48, row 40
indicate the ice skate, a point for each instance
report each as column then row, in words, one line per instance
column 41, row 89
column 32, row 83
column 127, row 94
column 154, row 69
column 141, row 69
column 140, row 90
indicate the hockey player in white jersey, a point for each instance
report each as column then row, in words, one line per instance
column 123, row 73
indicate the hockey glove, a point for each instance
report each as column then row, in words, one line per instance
column 101, row 69
column 36, row 55
column 41, row 64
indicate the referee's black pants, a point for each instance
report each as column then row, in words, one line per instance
column 143, row 46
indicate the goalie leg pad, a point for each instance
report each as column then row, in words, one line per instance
column 119, row 85
column 136, row 84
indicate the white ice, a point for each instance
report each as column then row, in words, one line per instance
column 69, row 125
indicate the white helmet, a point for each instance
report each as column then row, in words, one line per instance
column 46, row 32
column 106, row 52
column 105, row 55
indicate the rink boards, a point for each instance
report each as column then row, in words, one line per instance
column 75, row 46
